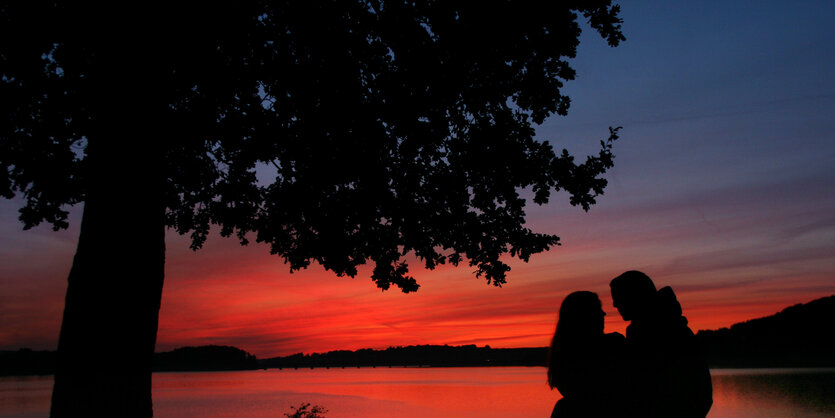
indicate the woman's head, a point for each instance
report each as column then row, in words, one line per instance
column 581, row 314
column 580, row 321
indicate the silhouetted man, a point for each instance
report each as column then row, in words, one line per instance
column 669, row 377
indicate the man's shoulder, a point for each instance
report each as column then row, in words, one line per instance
column 667, row 303
column 614, row 338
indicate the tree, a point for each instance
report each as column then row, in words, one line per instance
column 388, row 128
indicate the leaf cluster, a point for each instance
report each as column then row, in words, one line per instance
column 334, row 131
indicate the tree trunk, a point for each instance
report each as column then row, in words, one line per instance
column 111, row 313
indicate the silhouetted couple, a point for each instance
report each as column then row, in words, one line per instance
column 656, row 371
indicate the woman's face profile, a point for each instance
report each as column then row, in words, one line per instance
column 602, row 317
column 583, row 312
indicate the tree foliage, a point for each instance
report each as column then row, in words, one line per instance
column 339, row 132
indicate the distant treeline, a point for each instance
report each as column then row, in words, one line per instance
column 415, row 356
column 27, row 362
column 798, row 336
column 203, row 358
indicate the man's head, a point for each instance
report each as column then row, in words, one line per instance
column 632, row 294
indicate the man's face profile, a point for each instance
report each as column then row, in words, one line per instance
column 623, row 306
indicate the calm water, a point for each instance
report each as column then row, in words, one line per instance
column 426, row 392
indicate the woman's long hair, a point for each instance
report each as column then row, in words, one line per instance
column 579, row 322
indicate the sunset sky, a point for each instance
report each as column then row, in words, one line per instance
column 723, row 188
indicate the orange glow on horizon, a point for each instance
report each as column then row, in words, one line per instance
column 226, row 294
column 248, row 299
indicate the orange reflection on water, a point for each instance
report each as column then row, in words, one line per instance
column 425, row 392
column 366, row 392
column 777, row 393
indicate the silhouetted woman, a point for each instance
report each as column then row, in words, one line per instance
column 585, row 364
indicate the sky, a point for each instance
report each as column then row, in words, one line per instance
column 723, row 188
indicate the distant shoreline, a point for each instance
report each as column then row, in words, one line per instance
column 797, row 337
column 764, row 369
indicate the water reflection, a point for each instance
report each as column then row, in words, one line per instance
column 773, row 392
column 25, row 396
column 442, row 392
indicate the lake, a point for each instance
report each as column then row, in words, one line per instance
column 423, row 392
